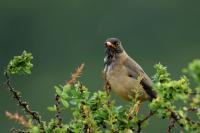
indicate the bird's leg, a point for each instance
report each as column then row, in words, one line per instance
column 107, row 87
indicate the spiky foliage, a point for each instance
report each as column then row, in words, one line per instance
column 98, row 113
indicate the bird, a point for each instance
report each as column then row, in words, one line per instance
column 124, row 75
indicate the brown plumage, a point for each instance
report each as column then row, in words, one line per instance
column 121, row 72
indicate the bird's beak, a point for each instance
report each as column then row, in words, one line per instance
column 109, row 45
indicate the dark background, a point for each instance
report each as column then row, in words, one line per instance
column 64, row 33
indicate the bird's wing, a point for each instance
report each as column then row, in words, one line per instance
column 134, row 70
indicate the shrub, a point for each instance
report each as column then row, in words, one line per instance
column 98, row 113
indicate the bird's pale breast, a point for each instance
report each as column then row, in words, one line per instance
column 124, row 85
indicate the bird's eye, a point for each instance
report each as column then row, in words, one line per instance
column 116, row 43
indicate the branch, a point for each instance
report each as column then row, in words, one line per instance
column 58, row 112
column 192, row 109
column 13, row 130
column 16, row 95
column 171, row 125
column 178, row 117
column 85, row 113
column 140, row 122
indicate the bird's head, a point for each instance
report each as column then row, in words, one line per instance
column 113, row 50
column 114, row 45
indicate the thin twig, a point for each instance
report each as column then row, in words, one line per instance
column 194, row 93
column 16, row 95
column 140, row 122
column 177, row 117
column 76, row 74
column 58, row 112
column 85, row 112
column 192, row 109
column 192, row 121
column 13, row 130
column 171, row 125
column 19, row 118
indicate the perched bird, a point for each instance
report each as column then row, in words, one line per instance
column 123, row 75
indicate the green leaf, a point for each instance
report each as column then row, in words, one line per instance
column 58, row 130
column 52, row 108
column 193, row 70
column 66, row 88
column 65, row 103
column 35, row 129
column 20, row 64
column 58, row 90
column 64, row 95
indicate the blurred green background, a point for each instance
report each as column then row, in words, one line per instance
column 64, row 33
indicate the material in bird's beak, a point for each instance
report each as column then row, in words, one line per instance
column 110, row 45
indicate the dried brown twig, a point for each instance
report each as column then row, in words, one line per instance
column 73, row 78
column 19, row 118
column 76, row 74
